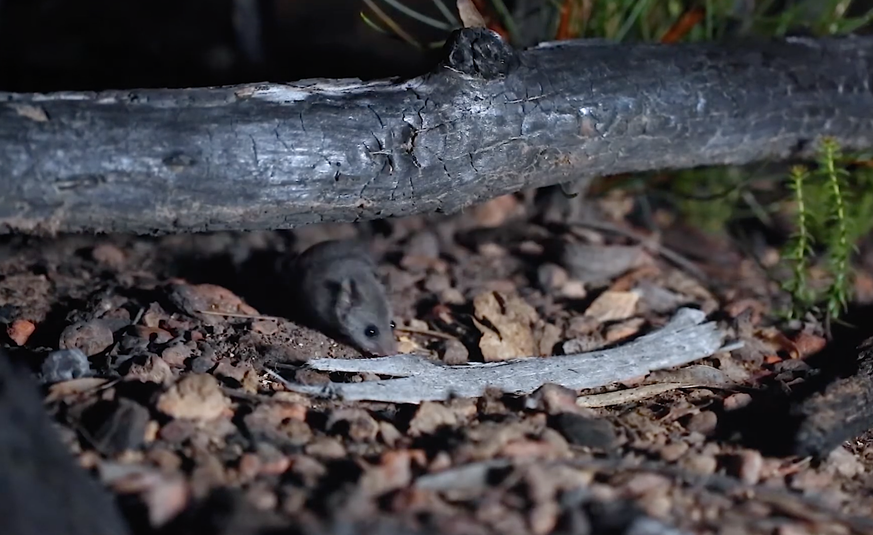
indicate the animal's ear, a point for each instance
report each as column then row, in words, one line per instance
column 346, row 296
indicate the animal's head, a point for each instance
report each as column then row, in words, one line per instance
column 364, row 315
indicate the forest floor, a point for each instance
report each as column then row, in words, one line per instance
column 182, row 416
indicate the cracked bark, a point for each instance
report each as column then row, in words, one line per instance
column 488, row 121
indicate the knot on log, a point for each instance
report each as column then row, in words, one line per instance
column 480, row 52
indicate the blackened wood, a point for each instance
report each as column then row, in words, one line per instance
column 43, row 491
column 488, row 121
column 842, row 411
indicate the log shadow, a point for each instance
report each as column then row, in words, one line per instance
column 777, row 423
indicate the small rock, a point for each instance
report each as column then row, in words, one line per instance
column 389, row 434
column 195, row 397
column 543, row 517
column 844, row 463
column 429, row 417
column 581, row 345
column 657, row 504
column 748, row 466
column 326, row 448
column 249, row 467
column 279, row 423
column 154, row 335
column 437, row 283
column 552, row 399
column 267, row 327
column 582, row 431
column 176, row 355
column 193, row 299
column 659, row 299
column 737, row 401
column 423, row 243
column 454, row 352
column 701, row 464
column 163, row 495
column 547, row 335
column 154, row 370
column 597, row 263
column 123, row 430
column 792, row 529
column 109, row 255
column 452, row 296
column 674, row 451
column 574, row 289
column 357, row 424
column 644, row 483
column 19, row 331
column 703, row 422
column 262, row 498
column 551, row 277
column 92, row 337
column 65, row 364
column 202, row 364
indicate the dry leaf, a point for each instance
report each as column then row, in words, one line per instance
column 613, row 306
column 506, row 325
column 470, row 16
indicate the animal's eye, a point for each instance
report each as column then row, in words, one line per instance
column 393, row 325
column 371, row 331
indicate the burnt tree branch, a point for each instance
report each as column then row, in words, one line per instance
column 488, row 121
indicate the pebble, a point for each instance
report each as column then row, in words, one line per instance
column 551, row 277
column 844, row 463
column 454, row 352
column 703, row 422
column 424, row 243
column 65, row 364
column 202, row 364
column 749, row 466
column 701, row 464
column 429, row 417
column 92, row 337
column 582, row 431
column 357, row 424
column 195, row 397
column 19, row 331
column 811, row 480
column 176, row 355
column 124, row 430
column 737, row 401
column 154, row 370
column 154, row 335
column 266, row 327
column 674, row 451
column 109, row 255
column 326, row 448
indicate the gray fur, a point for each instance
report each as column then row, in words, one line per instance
column 337, row 284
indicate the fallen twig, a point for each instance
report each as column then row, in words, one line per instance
column 684, row 339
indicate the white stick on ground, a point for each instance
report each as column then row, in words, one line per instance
column 685, row 338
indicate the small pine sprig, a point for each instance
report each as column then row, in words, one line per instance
column 798, row 251
column 840, row 248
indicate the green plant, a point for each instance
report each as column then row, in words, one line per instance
column 825, row 217
column 631, row 20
